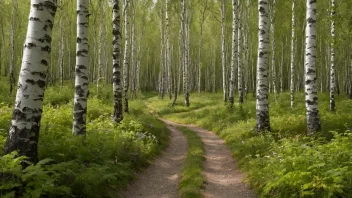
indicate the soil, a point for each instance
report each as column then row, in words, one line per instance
column 161, row 178
column 223, row 178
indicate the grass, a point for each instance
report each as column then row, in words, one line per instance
column 284, row 162
column 192, row 180
column 98, row 165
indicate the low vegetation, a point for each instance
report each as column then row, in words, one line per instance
column 284, row 162
column 71, row 166
column 192, row 180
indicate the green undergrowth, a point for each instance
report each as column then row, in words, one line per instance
column 192, row 180
column 98, row 165
column 285, row 162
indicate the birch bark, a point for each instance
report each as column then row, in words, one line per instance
column 311, row 96
column 116, row 76
column 262, row 103
column 25, row 124
column 81, row 71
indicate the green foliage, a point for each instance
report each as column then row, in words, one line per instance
column 41, row 179
column 192, row 180
column 282, row 163
column 97, row 165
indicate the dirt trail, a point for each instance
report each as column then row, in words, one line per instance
column 223, row 178
column 161, row 178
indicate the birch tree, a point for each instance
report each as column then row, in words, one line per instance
column 116, row 77
column 125, row 57
column 332, row 57
column 223, row 62
column 81, row 70
column 185, row 35
column 168, row 58
column 233, row 54
column 239, row 56
column 262, row 103
column 292, row 71
column 311, row 96
column 273, row 46
column 12, row 45
column 25, row 124
column 62, row 46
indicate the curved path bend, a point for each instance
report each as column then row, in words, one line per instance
column 223, row 178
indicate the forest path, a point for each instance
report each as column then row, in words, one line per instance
column 161, row 178
column 223, row 178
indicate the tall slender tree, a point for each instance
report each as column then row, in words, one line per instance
column 62, row 46
column 239, row 54
column 185, row 35
column 81, row 70
column 116, row 76
column 311, row 95
column 125, row 57
column 168, row 58
column 292, row 71
column 233, row 53
column 12, row 37
column 263, row 120
column 24, row 131
column 273, row 46
column 332, row 57
column 223, row 58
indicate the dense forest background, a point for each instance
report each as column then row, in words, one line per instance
column 147, row 25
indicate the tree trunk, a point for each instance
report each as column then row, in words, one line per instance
column 12, row 37
column 239, row 56
column 116, row 76
column 24, row 131
column 185, row 52
column 168, row 58
column 62, row 47
column 263, row 121
column 233, row 54
column 273, row 47
column 82, row 63
column 223, row 62
column 332, row 58
column 292, row 71
column 311, row 96
column 125, row 58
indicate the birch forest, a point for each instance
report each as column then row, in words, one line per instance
column 175, row 98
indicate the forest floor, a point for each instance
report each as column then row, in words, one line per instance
column 223, row 178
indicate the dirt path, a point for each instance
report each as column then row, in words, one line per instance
column 223, row 178
column 160, row 179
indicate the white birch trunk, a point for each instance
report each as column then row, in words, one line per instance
column 12, row 45
column 185, row 53
column 81, row 72
column 223, row 60
column 168, row 58
column 332, row 58
column 239, row 57
column 311, row 96
column 273, row 47
column 62, row 47
column 116, row 76
column 125, row 57
column 292, row 71
column 262, row 103
column 25, row 124
column 233, row 53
